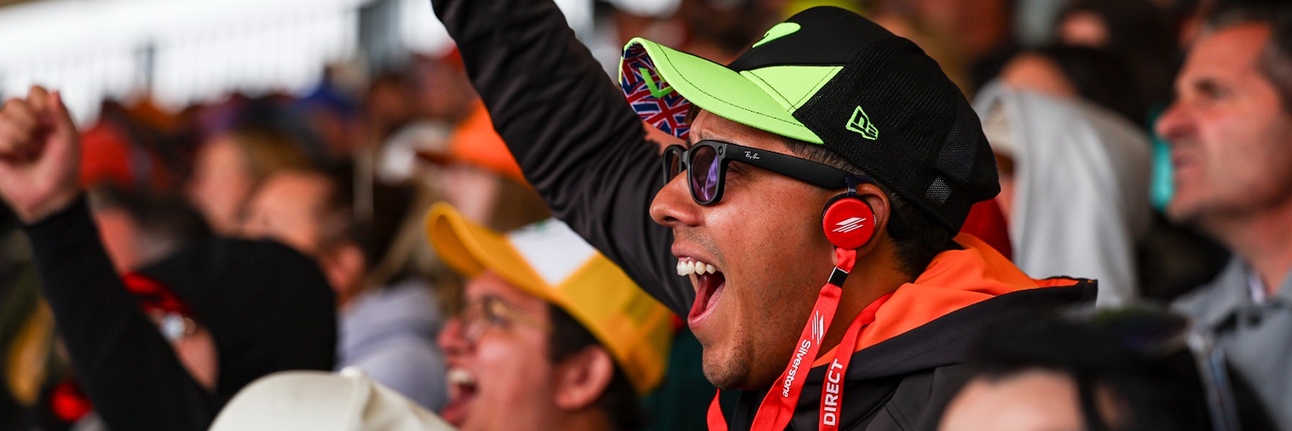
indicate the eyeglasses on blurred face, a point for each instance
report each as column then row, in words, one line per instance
column 491, row 312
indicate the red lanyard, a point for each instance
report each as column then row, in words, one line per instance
column 778, row 405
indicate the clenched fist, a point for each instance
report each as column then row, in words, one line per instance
column 39, row 155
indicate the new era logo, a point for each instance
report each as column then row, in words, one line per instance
column 850, row 224
column 861, row 124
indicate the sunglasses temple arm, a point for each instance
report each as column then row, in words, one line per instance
column 818, row 174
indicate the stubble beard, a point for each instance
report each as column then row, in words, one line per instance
column 730, row 370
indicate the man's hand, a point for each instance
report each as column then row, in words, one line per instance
column 39, row 155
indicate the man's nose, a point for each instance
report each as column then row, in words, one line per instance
column 451, row 339
column 673, row 206
column 1174, row 123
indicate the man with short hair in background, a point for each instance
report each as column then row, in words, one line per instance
column 1230, row 131
column 387, row 330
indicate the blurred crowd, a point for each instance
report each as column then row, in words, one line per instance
column 274, row 232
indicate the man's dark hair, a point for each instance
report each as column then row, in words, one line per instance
column 337, row 212
column 1276, row 59
column 343, row 219
column 918, row 236
column 1134, row 355
column 619, row 402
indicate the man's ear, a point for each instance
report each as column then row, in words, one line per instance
column 344, row 266
column 879, row 205
column 583, row 377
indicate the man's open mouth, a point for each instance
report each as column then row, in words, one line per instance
column 709, row 282
column 462, row 390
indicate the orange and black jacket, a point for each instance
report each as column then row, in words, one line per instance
column 584, row 150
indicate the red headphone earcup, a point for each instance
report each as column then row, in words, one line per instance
column 848, row 222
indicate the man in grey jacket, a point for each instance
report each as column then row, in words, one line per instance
column 1230, row 129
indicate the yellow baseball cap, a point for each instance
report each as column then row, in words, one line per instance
column 550, row 261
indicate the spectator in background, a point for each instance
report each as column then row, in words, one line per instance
column 1229, row 131
column 390, row 103
column 976, row 35
column 429, row 105
column 130, row 148
column 1137, row 33
column 1170, row 258
column 439, row 88
column 1074, row 186
column 1071, row 72
column 554, row 335
column 721, row 29
column 388, row 331
column 477, row 175
column 265, row 305
column 231, row 164
column 1122, row 370
column 331, row 115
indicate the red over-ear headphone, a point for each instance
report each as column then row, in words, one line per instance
column 848, row 221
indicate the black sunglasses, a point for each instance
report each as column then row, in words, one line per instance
column 706, row 162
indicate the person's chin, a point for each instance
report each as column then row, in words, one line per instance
column 724, row 367
column 720, row 374
column 1182, row 209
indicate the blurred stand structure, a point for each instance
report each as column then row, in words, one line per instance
column 181, row 52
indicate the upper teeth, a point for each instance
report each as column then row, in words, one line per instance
column 687, row 267
column 461, row 377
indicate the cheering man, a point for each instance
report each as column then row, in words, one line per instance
column 826, row 107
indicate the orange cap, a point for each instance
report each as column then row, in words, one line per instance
column 476, row 143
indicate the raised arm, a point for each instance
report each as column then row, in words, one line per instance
column 130, row 373
column 576, row 139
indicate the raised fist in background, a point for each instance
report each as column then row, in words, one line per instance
column 39, row 155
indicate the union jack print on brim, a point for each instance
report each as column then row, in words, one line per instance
column 650, row 96
column 661, row 83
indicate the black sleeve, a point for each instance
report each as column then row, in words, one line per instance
column 576, row 139
column 131, row 375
